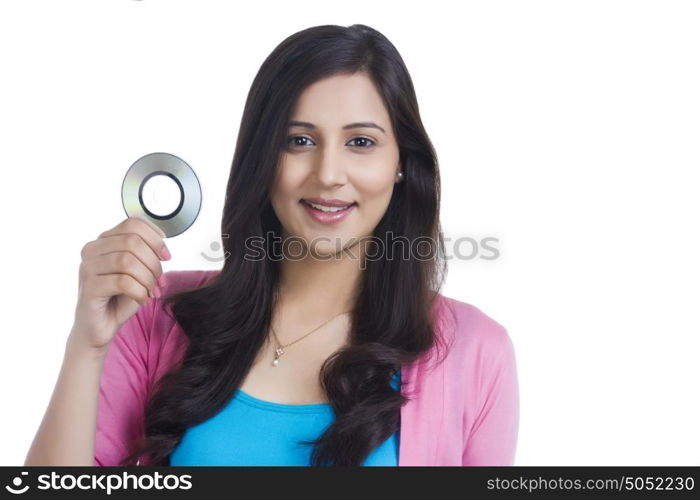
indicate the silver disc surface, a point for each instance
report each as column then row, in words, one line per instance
column 163, row 189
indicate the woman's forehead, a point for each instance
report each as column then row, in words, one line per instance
column 336, row 101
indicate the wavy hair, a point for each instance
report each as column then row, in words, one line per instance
column 226, row 320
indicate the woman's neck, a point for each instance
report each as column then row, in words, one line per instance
column 319, row 288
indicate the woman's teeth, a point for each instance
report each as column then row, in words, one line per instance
column 327, row 209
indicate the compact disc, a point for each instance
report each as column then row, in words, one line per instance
column 163, row 189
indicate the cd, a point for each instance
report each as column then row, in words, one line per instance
column 163, row 189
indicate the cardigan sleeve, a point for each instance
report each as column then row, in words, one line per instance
column 123, row 388
column 492, row 439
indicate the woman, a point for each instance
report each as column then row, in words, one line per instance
column 324, row 339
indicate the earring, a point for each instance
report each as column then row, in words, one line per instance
column 399, row 177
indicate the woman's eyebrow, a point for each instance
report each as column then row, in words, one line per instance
column 295, row 123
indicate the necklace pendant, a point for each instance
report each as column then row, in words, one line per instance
column 278, row 352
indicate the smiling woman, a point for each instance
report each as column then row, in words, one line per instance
column 337, row 113
column 348, row 355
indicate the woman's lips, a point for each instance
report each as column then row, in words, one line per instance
column 327, row 217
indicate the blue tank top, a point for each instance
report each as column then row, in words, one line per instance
column 253, row 432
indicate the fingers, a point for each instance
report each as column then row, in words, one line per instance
column 151, row 225
column 132, row 248
column 124, row 263
column 150, row 233
column 113, row 248
column 108, row 285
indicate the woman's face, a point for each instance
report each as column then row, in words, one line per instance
column 328, row 155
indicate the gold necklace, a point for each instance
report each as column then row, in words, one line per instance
column 279, row 350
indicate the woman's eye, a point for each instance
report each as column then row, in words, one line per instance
column 296, row 140
column 363, row 142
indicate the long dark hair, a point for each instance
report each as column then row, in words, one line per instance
column 226, row 320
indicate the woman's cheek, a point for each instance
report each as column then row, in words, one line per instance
column 374, row 179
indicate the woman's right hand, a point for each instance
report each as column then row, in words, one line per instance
column 118, row 274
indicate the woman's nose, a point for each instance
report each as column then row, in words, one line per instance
column 330, row 167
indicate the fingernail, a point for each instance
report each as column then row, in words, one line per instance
column 165, row 253
column 156, row 292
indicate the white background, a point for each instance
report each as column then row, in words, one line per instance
column 568, row 130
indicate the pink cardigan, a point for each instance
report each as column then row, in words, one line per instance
column 464, row 411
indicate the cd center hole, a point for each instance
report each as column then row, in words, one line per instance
column 161, row 195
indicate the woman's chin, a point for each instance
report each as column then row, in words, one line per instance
column 325, row 245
